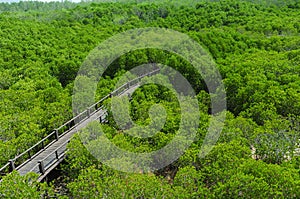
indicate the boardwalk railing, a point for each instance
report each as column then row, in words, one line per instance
column 52, row 159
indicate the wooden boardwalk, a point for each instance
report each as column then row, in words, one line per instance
column 54, row 153
column 45, row 155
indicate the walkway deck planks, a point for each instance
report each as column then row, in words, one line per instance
column 46, row 159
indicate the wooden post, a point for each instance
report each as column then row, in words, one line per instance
column 41, row 167
column 56, row 134
column 43, row 146
column 69, row 125
column 129, row 96
column 72, row 123
column 88, row 112
column 12, row 165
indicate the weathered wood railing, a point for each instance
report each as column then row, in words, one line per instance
column 51, row 159
column 25, row 157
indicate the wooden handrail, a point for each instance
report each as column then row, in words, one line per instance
column 70, row 124
column 60, row 146
column 36, row 145
column 4, row 167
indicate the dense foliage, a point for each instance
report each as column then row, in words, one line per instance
column 255, row 47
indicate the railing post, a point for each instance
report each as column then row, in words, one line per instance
column 56, row 134
column 29, row 154
column 56, row 154
column 88, row 112
column 43, row 145
column 69, row 125
column 72, row 123
column 12, row 165
column 129, row 96
column 41, row 167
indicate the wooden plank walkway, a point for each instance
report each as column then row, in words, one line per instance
column 45, row 155
column 51, row 156
column 48, row 156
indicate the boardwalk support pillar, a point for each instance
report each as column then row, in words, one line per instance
column 12, row 165
column 56, row 155
column 41, row 167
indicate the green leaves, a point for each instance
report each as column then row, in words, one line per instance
column 16, row 186
column 256, row 48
